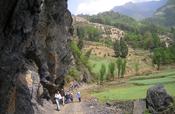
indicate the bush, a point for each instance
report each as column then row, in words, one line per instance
column 74, row 73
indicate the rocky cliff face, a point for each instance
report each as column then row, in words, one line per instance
column 34, row 52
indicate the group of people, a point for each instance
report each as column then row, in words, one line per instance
column 62, row 97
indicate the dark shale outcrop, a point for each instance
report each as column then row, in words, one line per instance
column 34, row 52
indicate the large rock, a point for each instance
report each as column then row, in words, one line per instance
column 158, row 100
column 34, row 52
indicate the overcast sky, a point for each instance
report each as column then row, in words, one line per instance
column 96, row 6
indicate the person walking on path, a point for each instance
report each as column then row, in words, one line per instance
column 63, row 96
column 57, row 99
column 79, row 96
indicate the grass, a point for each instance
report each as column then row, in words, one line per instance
column 153, row 81
column 129, row 92
column 137, row 87
column 167, row 73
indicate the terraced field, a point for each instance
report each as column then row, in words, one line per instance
column 136, row 88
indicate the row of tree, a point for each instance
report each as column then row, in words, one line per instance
column 121, row 51
column 120, row 66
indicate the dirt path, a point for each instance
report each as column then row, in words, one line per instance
column 76, row 108
column 87, row 106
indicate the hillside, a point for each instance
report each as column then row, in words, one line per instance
column 114, row 19
column 102, row 52
column 165, row 15
column 106, row 32
column 140, row 10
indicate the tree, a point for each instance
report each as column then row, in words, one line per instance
column 123, row 48
column 119, row 66
column 117, row 48
column 148, row 42
column 111, row 70
column 156, row 40
column 120, row 48
column 123, row 68
column 80, row 32
column 102, row 73
column 157, row 57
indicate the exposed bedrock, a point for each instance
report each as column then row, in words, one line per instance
column 34, row 52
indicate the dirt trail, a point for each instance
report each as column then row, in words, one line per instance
column 87, row 106
column 76, row 108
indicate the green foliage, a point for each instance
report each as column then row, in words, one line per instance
column 120, row 48
column 75, row 50
column 157, row 56
column 123, row 68
column 117, row 48
column 134, row 39
column 81, row 32
column 164, row 16
column 88, row 32
column 74, row 73
column 102, row 73
column 123, row 48
column 163, row 56
column 80, row 43
column 119, row 66
column 115, row 19
column 80, row 58
column 111, row 70
column 156, row 40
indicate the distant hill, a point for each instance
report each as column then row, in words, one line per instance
column 164, row 16
column 139, row 10
column 123, row 22
column 106, row 32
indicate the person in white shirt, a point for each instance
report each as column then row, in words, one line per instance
column 57, row 99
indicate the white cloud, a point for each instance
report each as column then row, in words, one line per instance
column 96, row 6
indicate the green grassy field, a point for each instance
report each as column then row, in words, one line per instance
column 137, row 88
column 128, row 92
column 166, row 73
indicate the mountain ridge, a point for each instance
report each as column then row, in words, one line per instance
column 139, row 10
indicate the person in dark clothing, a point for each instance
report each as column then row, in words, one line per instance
column 63, row 96
column 79, row 96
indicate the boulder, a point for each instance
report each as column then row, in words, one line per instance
column 158, row 100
